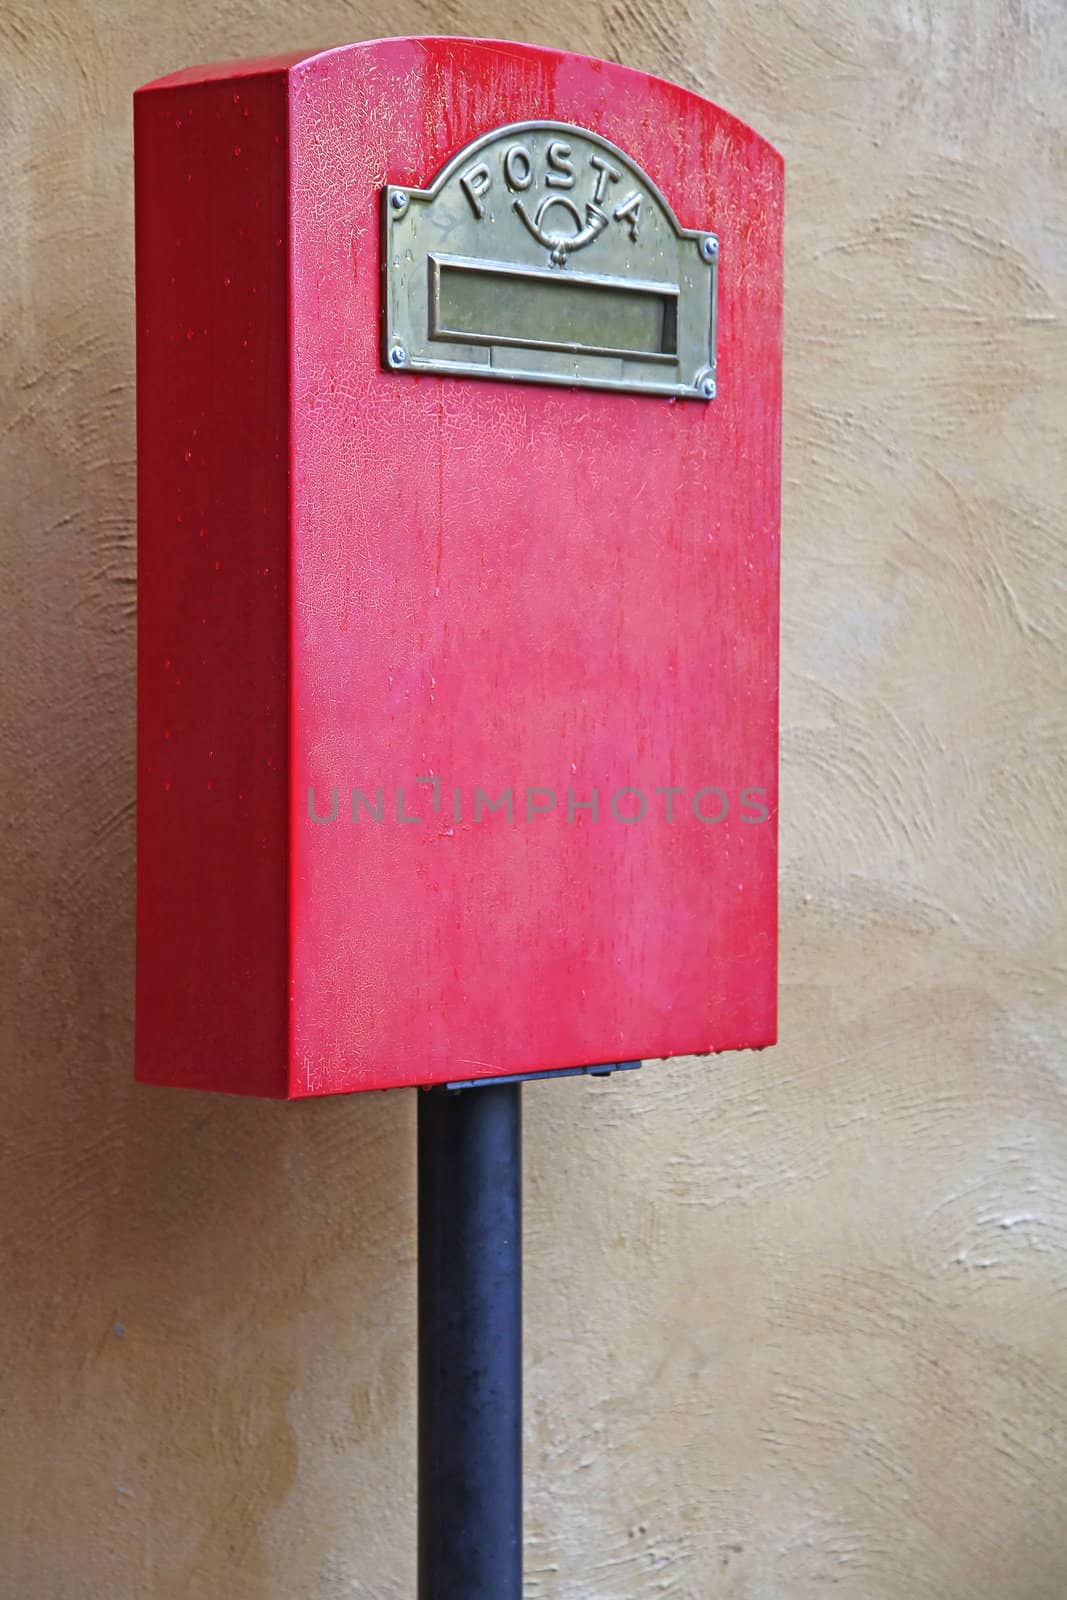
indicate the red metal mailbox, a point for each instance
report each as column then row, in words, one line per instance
column 459, row 370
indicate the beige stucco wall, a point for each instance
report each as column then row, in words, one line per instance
column 797, row 1322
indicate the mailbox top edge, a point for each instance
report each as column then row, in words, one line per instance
column 258, row 66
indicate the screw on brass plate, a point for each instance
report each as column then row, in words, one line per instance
column 397, row 356
column 707, row 388
column 398, row 199
column 709, row 247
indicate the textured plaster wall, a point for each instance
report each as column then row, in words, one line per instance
column 798, row 1321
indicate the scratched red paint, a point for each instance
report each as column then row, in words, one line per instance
column 350, row 577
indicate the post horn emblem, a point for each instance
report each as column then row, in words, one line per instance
column 561, row 245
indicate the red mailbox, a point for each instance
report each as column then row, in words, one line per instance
column 459, row 370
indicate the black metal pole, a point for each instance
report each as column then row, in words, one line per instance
column 470, row 1343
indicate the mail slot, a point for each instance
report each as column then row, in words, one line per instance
column 459, row 372
column 475, row 302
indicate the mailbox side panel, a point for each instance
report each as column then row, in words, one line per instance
column 508, row 586
column 212, row 441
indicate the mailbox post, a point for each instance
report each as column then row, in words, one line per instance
column 459, row 372
column 470, row 1343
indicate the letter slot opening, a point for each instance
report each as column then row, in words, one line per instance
column 476, row 302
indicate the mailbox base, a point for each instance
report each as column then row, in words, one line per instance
column 603, row 1070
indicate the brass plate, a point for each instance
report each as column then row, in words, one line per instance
column 543, row 254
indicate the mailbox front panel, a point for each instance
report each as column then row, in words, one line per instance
column 531, row 677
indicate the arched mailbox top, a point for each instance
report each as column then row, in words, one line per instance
column 449, row 47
